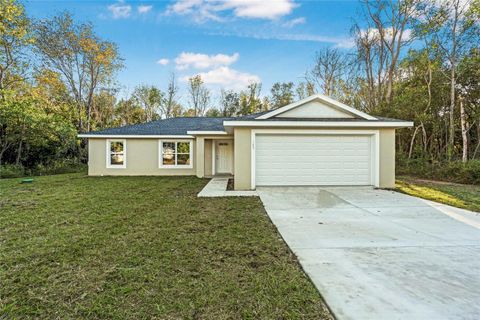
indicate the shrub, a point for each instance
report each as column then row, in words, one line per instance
column 56, row 167
column 11, row 171
column 454, row 171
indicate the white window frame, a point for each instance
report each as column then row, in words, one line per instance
column 175, row 166
column 108, row 154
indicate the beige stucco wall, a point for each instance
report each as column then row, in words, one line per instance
column 387, row 158
column 208, row 157
column 315, row 109
column 242, row 154
column 142, row 159
column 243, row 157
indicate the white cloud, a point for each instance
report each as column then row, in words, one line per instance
column 374, row 34
column 120, row 10
column 186, row 60
column 210, row 9
column 163, row 61
column 340, row 42
column 293, row 22
column 260, row 8
column 345, row 43
column 227, row 78
column 144, row 9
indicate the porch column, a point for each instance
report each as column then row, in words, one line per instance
column 200, row 157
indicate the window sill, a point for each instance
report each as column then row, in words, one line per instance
column 176, row 167
column 116, row 167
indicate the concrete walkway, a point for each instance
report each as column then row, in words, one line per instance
column 217, row 187
column 377, row 254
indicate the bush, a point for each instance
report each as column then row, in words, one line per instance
column 454, row 171
column 57, row 167
column 11, row 171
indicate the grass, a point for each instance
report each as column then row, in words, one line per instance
column 457, row 195
column 73, row 246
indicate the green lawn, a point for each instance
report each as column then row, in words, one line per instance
column 73, row 246
column 457, row 195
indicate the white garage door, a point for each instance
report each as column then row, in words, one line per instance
column 313, row 160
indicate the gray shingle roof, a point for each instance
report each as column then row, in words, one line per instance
column 171, row 126
column 180, row 126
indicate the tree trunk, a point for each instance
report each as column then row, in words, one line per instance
column 451, row 127
column 478, row 142
column 413, row 141
column 463, row 123
column 19, row 153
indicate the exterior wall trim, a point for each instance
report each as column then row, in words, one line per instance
column 207, row 132
column 321, row 124
column 134, row 136
column 375, row 172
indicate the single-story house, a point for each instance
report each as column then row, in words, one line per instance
column 315, row 141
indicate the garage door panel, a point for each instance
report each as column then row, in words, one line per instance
column 313, row 160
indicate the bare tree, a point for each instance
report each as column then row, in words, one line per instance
column 452, row 34
column 329, row 66
column 380, row 44
column 169, row 103
column 391, row 19
column 199, row 95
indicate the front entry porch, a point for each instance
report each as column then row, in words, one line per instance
column 217, row 158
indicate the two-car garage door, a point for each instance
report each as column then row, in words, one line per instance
column 313, row 159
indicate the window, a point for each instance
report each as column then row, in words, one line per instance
column 116, row 153
column 175, row 154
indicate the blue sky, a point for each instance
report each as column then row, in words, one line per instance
column 228, row 42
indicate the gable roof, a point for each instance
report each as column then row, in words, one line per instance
column 184, row 127
column 188, row 127
column 317, row 97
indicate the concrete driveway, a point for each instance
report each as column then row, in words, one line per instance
column 377, row 254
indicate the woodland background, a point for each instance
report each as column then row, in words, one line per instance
column 413, row 59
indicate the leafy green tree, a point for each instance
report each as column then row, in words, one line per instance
column 84, row 61
column 150, row 98
column 213, row 112
column 304, row 89
column 250, row 101
column 15, row 36
column 26, row 125
column 128, row 111
column 282, row 94
column 104, row 103
column 230, row 103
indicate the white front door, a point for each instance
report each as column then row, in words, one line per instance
column 223, row 157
